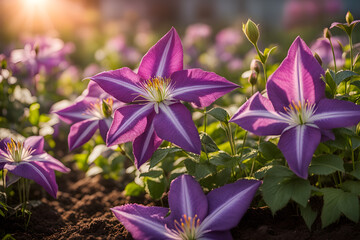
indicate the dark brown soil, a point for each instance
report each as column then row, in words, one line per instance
column 82, row 211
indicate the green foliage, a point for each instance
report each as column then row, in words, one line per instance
column 309, row 215
column 134, row 190
column 326, row 164
column 34, row 115
column 219, row 114
column 161, row 153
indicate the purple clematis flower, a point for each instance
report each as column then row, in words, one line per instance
column 155, row 92
column 194, row 215
column 29, row 160
column 91, row 111
column 297, row 109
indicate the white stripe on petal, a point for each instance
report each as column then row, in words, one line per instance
column 81, row 115
column 147, row 140
column 131, row 119
column 299, row 79
column 300, row 130
column 39, row 173
column 124, row 84
column 186, row 204
column 166, row 109
column 230, row 203
column 160, row 70
column 264, row 114
column 183, row 90
column 85, row 133
column 327, row 115
column 157, row 227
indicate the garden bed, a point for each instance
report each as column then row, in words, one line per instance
column 82, row 211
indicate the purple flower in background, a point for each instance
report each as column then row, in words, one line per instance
column 195, row 33
column 91, row 111
column 128, row 54
column 155, row 92
column 227, row 42
column 297, row 109
column 41, row 53
column 28, row 160
column 194, row 215
column 323, row 48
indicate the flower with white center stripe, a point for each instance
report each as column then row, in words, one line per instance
column 28, row 160
column 193, row 215
column 155, row 112
column 297, row 109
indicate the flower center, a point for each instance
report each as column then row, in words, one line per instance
column 17, row 152
column 187, row 228
column 101, row 108
column 300, row 113
column 157, row 89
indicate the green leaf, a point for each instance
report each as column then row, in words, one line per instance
column 326, row 164
column 152, row 173
column 219, row 114
column 336, row 201
column 203, row 170
column 351, row 186
column 329, row 80
column 132, row 189
column 207, row 143
column 269, row 150
column 268, row 51
column 356, row 84
column 308, row 215
column 155, row 187
column 259, row 174
column 224, row 159
column 355, row 142
column 280, row 185
column 343, row 76
column 161, row 153
column 356, row 173
column 34, row 114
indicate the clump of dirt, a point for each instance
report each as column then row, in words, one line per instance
column 82, row 211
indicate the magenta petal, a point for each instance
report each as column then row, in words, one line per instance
column 164, row 58
column 129, row 122
column 228, row 204
column 36, row 143
column 200, row 87
column 104, row 126
column 298, row 145
column 143, row 222
column 37, row 172
column 187, row 197
column 146, row 144
column 327, row 135
column 74, row 113
column 123, row 84
column 95, row 92
column 3, row 143
column 48, row 161
column 258, row 116
column 333, row 113
column 81, row 132
column 174, row 123
column 297, row 78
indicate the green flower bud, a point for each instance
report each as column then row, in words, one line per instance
column 254, row 66
column 251, row 31
column 106, row 108
column 327, row 33
column 349, row 17
column 318, row 58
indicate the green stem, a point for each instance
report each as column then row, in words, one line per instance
column 263, row 62
column 123, row 152
column 333, row 53
column 340, row 177
column 351, row 53
column 265, row 74
column 352, row 154
column 205, row 120
column 231, row 140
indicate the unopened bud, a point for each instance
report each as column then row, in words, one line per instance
column 254, row 66
column 327, row 33
column 251, row 31
column 349, row 17
column 253, row 78
column 318, row 58
column 106, row 108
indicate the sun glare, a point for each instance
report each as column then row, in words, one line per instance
column 34, row 2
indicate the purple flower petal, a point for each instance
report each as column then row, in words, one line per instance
column 333, row 113
column 129, row 123
column 48, row 161
column 187, row 197
column 298, row 145
column 74, row 113
column 3, row 143
column 143, row 222
column 164, row 58
column 258, row 116
column 95, row 92
column 174, row 123
column 297, row 78
column 146, row 144
column 37, row 172
column 327, row 135
column 104, row 126
column 200, row 87
column 36, row 143
column 228, row 204
column 123, row 84
column 334, row 24
column 81, row 132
